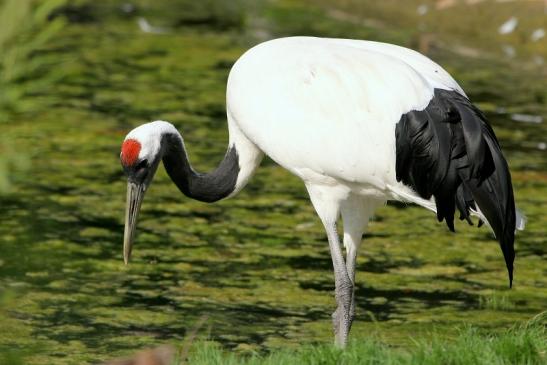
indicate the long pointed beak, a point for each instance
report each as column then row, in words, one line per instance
column 135, row 193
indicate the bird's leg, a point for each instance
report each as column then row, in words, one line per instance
column 352, row 245
column 355, row 218
column 341, row 318
column 326, row 201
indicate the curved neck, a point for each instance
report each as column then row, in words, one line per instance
column 209, row 187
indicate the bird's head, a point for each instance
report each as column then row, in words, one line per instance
column 140, row 156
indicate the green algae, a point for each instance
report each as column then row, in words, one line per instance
column 257, row 265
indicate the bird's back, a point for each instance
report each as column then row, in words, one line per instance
column 328, row 107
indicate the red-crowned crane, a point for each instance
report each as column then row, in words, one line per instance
column 360, row 123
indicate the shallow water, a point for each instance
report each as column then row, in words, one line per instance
column 257, row 266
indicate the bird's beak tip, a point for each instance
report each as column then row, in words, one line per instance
column 134, row 199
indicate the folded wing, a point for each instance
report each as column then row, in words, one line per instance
column 449, row 151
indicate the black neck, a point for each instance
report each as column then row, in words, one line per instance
column 208, row 187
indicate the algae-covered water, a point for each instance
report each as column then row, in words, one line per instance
column 256, row 266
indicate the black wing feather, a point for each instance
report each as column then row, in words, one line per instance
column 450, row 152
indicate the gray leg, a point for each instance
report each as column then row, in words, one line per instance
column 326, row 201
column 354, row 218
column 356, row 212
column 351, row 256
column 342, row 317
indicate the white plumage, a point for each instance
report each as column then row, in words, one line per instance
column 328, row 109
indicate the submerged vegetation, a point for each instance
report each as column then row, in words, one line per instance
column 257, row 265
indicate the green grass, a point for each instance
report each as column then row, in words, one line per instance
column 25, row 28
column 526, row 344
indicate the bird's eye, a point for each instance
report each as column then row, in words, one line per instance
column 141, row 170
column 141, row 165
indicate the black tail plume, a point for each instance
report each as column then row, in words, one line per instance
column 449, row 151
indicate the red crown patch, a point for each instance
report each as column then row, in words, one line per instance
column 130, row 152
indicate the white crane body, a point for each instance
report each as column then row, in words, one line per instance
column 326, row 111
